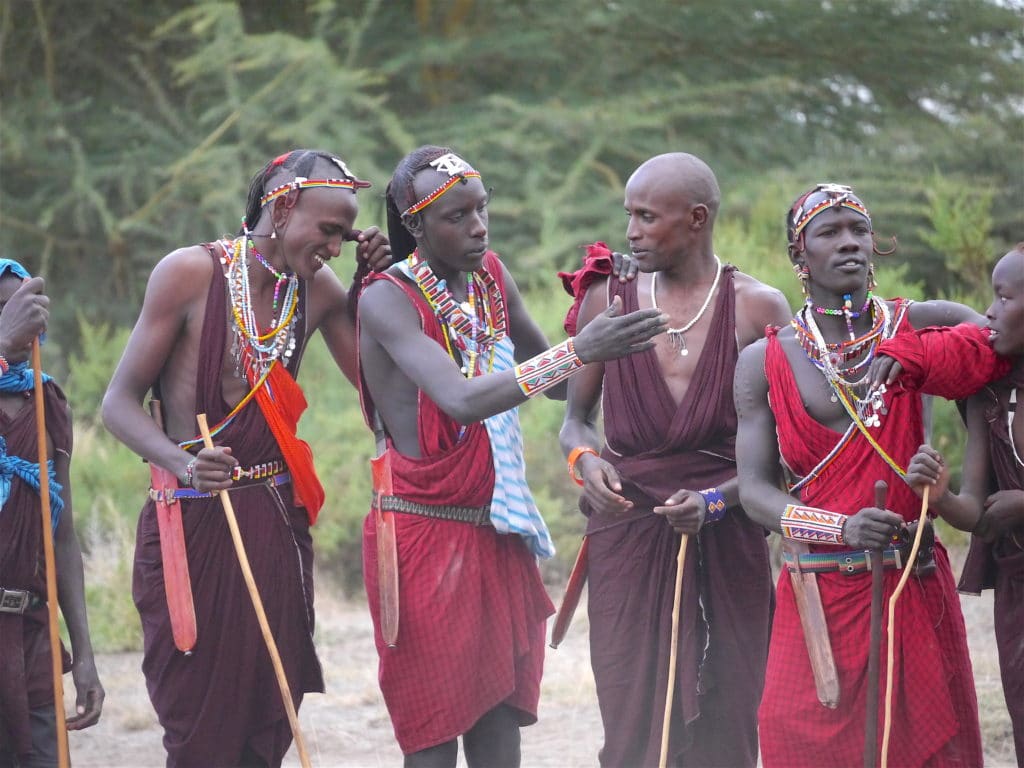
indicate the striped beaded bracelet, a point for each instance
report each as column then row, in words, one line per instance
column 811, row 524
column 551, row 367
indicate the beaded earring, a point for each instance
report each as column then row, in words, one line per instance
column 802, row 274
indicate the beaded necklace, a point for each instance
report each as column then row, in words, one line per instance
column 842, row 388
column 846, row 311
column 282, row 277
column 255, row 352
column 474, row 327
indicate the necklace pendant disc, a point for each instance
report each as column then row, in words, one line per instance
column 684, row 352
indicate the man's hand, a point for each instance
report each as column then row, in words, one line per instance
column 1004, row 511
column 928, row 468
column 624, row 267
column 213, row 469
column 601, row 485
column 23, row 319
column 612, row 334
column 372, row 247
column 871, row 528
column 89, row 695
column 685, row 511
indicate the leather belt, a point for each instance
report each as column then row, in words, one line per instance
column 19, row 600
column 172, row 494
column 474, row 515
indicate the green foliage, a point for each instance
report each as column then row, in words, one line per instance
column 115, row 153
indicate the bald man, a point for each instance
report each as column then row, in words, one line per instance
column 666, row 466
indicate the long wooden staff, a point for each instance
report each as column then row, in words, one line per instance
column 51, row 564
column 670, row 690
column 257, row 603
column 875, row 649
column 907, row 568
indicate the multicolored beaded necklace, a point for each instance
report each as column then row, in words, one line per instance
column 846, row 311
column 255, row 352
column 473, row 326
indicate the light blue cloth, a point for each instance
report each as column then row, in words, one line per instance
column 513, row 509
column 16, row 466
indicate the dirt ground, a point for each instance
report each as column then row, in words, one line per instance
column 349, row 727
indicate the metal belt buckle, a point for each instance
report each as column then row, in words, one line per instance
column 849, row 566
column 14, row 600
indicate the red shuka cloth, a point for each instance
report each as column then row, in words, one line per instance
column 597, row 264
column 26, row 668
column 659, row 447
column 935, row 714
column 223, row 700
column 473, row 607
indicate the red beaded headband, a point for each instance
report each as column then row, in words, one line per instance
column 838, row 196
column 457, row 170
column 301, row 182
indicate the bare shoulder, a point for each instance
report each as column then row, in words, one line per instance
column 751, row 383
column 758, row 305
column 327, row 295
column 179, row 279
column 941, row 312
column 595, row 301
column 383, row 305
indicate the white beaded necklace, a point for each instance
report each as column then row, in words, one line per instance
column 675, row 335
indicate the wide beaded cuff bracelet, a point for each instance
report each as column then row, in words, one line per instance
column 715, row 503
column 547, row 369
column 809, row 524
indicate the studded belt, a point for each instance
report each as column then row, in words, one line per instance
column 848, row 562
column 474, row 515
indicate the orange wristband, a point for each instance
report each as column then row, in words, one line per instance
column 574, row 456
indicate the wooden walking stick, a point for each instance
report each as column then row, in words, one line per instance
column 671, row 688
column 573, row 591
column 875, row 649
column 51, row 564
column 257, row 603
column 907, row 568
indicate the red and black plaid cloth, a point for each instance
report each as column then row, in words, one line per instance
column 935, row 714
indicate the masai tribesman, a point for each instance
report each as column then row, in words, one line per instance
column 222, row 330
column 28, row 735
column 807, row 407
column 440, row 336
column 668, row 466
column 991, row 498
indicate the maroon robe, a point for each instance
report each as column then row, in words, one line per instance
column 26, row 667
column 473, row 608
column 658, row 448
column 1000, row 565
column 223, row 701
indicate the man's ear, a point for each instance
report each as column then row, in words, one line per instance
column 699, row 216
column 414, row 223
column 279, row 212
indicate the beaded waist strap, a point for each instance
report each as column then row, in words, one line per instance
column 847, row 561
column 474, row 515
column 243, row 480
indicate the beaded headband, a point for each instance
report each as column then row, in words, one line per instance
column 301, row 182
column 836, row 196
column 457, row 170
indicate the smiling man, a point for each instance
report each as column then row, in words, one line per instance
column 447, row 353
column 222, row 330
column 666, row 467
column 816, row 419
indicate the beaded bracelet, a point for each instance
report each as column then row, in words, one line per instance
column 547, row 369
column 190, row 469
column 574, row 456
column 810, row 524
column 714, row 500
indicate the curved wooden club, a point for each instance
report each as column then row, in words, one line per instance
column 257, row 603
column 63, row 759
column 671, row 687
